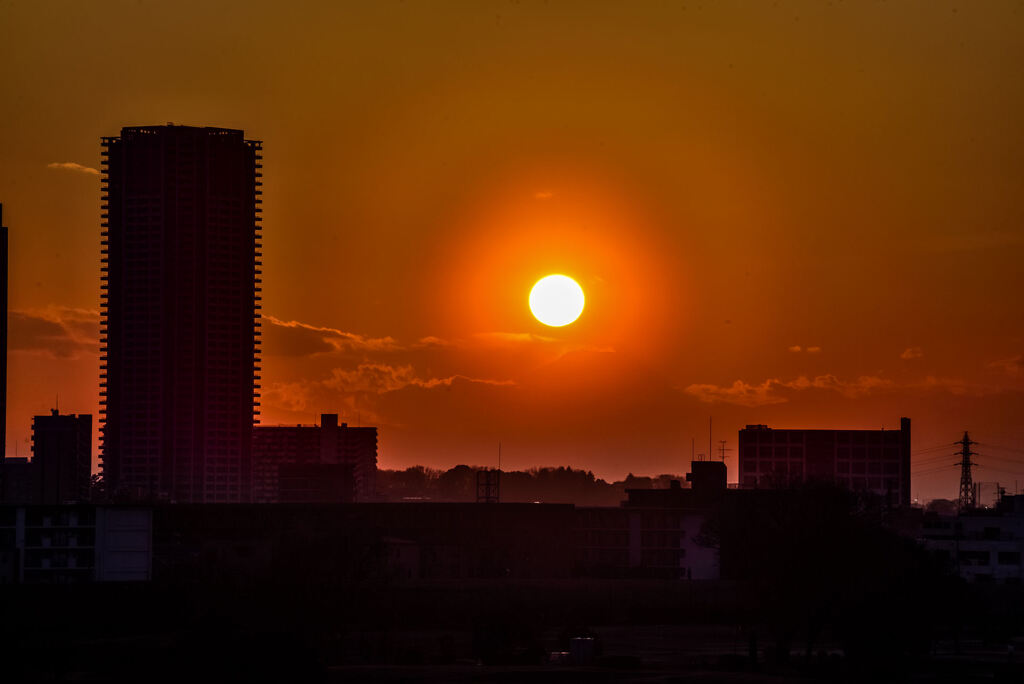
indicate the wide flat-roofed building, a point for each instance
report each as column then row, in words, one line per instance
column 304, row 463
column 875, row 461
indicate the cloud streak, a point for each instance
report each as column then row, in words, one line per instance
column 73, row 166
column 911, row 353
column 1013, row 366
column 776, row 391
column 381, row 378
column 58, row 332
column 299, row 339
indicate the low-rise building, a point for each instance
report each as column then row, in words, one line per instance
column 75, row 543
column 19, row 481
column 984, row 545
column 326, row 463
column 656, row 532
column 410, row 541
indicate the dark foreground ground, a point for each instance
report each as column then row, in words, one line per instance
column 493, row 631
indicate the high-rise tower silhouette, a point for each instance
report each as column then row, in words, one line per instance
column 180, row 281
column 3, row 336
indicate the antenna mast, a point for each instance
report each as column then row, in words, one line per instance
column 722, row 449
column 709, row 438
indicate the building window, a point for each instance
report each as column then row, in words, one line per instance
column 974, row 558
column 1009, row 557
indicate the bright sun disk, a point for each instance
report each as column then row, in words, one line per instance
column 556, row 300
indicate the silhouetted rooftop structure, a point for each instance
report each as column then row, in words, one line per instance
column 62, row 454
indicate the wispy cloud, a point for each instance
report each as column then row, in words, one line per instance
column 73, row 166
column 911, row 353
column 56, row 331
column 432, row 341
column 863, row 385
column 380, row 378
column 512, row 338
column 740, row 393
column 776, row 391
column 956, row 386
column 1013, row 366
column 294, row 338
column 311, row 339
column 289, row 396
column 796, row 349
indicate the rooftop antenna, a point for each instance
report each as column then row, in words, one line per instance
column 499, row 454
column 709, row 437
column 722, row 449
column 693, row 448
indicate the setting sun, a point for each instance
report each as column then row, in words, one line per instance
column 556, row 300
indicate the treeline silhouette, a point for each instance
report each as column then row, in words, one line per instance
column 547, row 485
column 818, row 566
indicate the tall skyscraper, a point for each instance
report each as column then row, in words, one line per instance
column 180, row 331
column 3, row 336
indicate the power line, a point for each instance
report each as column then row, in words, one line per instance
column 935, row 469
column 934, row 459
column 937, row 447
column 931, row 473
column 934, row 466
column 1002, row 448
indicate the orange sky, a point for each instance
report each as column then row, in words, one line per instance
column 804, row 214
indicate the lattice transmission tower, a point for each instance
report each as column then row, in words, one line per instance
column 968, row 495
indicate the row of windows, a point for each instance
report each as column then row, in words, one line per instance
column 606, row 538
column 873, row 468
column 795, row 468
column 662, row 559
column 840, row 452
column 661, row 539
column 873, row 437
column 984, row 557
column 876, row 484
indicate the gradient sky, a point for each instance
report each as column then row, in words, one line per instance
column 804, row 214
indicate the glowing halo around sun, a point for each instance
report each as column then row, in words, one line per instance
column 556, row 300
